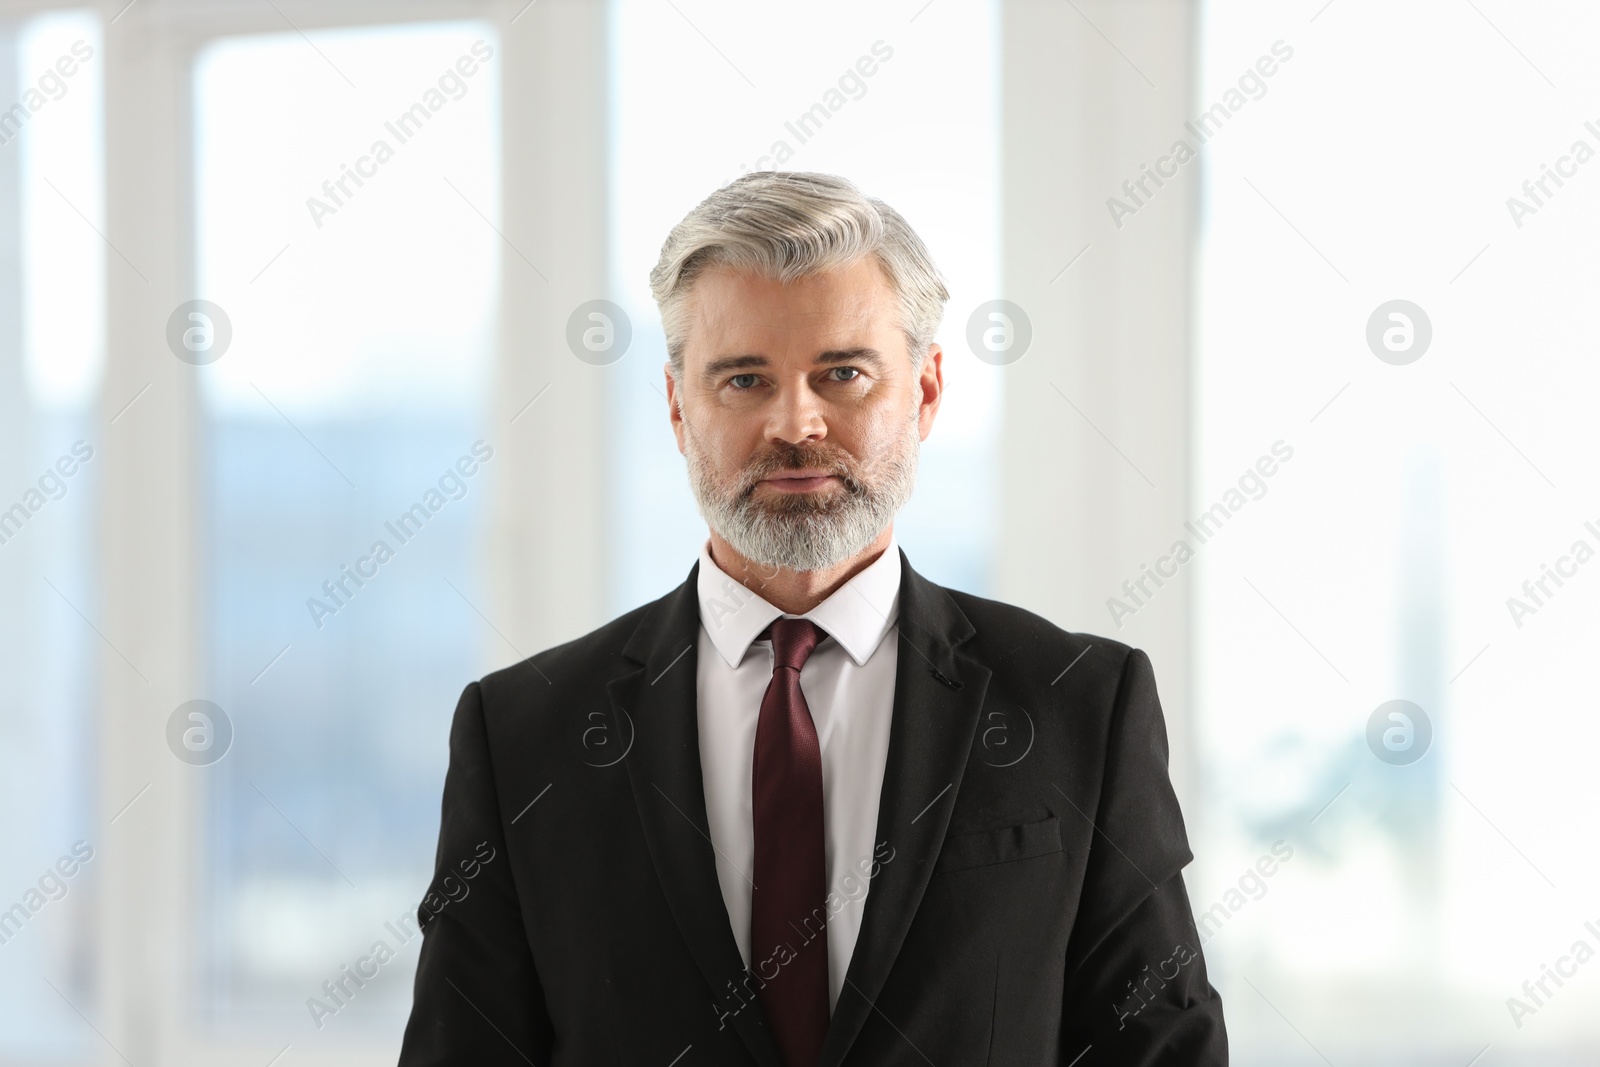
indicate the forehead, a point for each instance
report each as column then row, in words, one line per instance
column 727, row 307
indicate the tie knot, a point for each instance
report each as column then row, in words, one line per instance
column 792, row 641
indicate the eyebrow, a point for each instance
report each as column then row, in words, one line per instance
column 723, row 364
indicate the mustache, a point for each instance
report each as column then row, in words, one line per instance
column 789, row 457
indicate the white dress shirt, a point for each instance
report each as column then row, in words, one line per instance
column 848, row 683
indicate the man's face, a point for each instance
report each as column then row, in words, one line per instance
column 799, row 411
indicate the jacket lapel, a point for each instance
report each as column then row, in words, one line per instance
column 938, row 695
column 937, row 700
column 664, row 770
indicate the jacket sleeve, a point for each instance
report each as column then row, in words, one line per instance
column 477, row 997
column 1136, row 991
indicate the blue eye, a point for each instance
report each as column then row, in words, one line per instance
column 854, row 372
column 743, row 381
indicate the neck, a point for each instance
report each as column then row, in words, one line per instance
column 794, row 592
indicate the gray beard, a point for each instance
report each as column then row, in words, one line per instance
column 801, row 533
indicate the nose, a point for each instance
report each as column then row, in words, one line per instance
column 795, row 414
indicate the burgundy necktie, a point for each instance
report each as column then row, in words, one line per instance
column 788, row 913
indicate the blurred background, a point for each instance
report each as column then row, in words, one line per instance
column 1305, row 287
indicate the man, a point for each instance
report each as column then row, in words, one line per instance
column 809, row 807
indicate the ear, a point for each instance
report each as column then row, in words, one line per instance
column 930, row 384
column 674, row 404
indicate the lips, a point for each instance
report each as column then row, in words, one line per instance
column 801, row 473
column 800, row 481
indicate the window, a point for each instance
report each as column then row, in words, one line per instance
column 344, row 444
column 51, row 349
column 1382, row 560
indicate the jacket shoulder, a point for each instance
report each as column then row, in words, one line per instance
column 595, row 658
column 1012, row 639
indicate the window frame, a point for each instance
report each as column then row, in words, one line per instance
column 149, row 963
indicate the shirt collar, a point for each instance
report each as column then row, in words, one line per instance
column 857, row 615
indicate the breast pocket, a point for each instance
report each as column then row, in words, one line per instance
column 982, row 848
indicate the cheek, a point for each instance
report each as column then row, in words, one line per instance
column 869, row 429
column 724, row 438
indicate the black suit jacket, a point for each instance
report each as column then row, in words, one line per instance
column 1029, row 909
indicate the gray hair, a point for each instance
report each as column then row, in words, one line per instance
column 785, row 225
